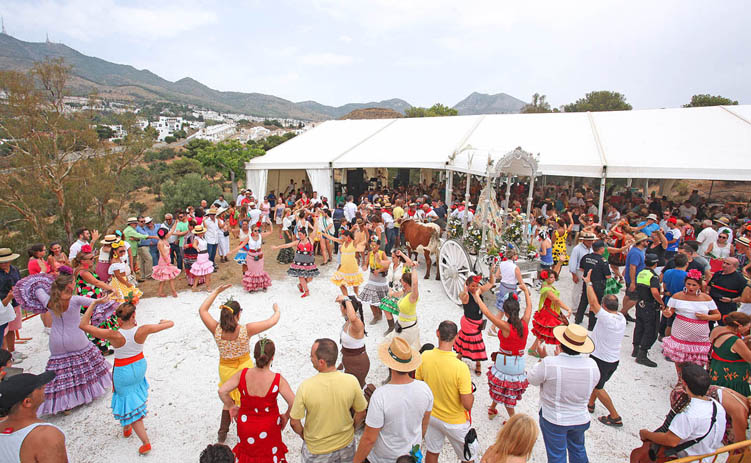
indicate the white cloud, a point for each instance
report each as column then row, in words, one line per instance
column 326, row 59
column 345, row 38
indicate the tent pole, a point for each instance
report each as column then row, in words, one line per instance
column 572, row 188
column 448, row 196
column 646, row 188
column 602, row 194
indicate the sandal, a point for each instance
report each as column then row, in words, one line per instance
column 299, row 287
column 144, row 449
column 610, row 421
column 478, row 371
column 306, row 294
column 127, row 431
column 591, row 408
column 492, row 413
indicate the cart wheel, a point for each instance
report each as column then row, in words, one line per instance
column 454, row 262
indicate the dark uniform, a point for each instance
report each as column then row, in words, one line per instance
column 647, row 314
column 600, row 272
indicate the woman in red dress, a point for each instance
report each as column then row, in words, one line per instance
column 259, row 424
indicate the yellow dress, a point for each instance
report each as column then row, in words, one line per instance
column 408, row 321
column 348, row 273
column 122, row 290
column 234, row 355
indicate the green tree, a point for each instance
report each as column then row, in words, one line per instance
column 170, row 139
column 436, row 110
column 179, row 134
column 602, row 100
column 104, row 132
column 709, row 100
column 538, row 105
column 229, row 158
column 187, row 191
column 194, row 146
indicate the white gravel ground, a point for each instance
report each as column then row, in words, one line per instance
column 184, row 408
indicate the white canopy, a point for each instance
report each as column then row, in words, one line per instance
column 687, row 143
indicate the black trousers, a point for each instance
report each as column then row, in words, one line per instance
column 647, row 323
column 599, row 287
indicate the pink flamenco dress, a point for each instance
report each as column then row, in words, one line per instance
column 164, row 270
column 689, row 337
column 81, row 372
column 507, row 379
column 259, row 426
column 255, row 277
column 203, row 266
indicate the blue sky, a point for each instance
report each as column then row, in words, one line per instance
column 425, row 51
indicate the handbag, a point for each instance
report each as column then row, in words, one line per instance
column 7, row 313
column 559, row 316
column 226, row 233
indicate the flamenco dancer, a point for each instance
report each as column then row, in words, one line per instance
column 250, row 255
column 164, row 271
column 88, row 284
column 400, row 264
column 689, row 338
column 258, row 410
column 233, row 341
column 81, row 373
column 548, row 314
column 131, row 390
column 120, row 274
column 507, row 380
column 348, row 273
column 469, row 343
column 355, row 360
column 304, row 264
column 377, row 287
column 203, row 267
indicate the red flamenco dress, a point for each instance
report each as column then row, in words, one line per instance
column 546, row 317
column 259, row 426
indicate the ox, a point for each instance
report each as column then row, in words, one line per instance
column 423, row 237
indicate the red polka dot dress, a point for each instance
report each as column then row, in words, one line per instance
column 259, row 426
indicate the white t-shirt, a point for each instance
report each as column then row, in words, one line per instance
column 397, row 410
column 705, row 237
column 607, row 336
column 75, row 248
column 254, row 215
column 694, row 422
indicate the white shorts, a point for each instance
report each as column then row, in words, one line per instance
column 438, row 430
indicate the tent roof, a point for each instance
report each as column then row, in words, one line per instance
column 697, row 143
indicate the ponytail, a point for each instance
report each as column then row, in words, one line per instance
column 511, row 309
column 263, row 352
column 227, row 318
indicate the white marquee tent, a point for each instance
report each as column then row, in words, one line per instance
column 711, row 143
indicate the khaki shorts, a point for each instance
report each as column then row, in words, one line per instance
column 439, row 430
column 343, row 455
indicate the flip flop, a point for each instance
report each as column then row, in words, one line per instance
column 591, row 408
column 609, row 421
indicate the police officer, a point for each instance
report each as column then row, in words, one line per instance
column 648, row 307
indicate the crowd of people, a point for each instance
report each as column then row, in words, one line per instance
column 682, row 267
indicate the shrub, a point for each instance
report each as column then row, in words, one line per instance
column 138, row 207
column 170, row 139
column 187, row 190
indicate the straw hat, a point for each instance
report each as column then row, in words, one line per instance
column 723, row 220
column 639, row 237
column 574, row 337
column 148, row 219
column 652, row 217
column 740, row 240
column 211, row 211
column 588, row 236
column 399, row 356
column 6, row 255
column 199, row 230
column 132, row 219
column 109, row 239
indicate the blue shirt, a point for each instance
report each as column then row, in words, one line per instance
column 635, row 256
column 674, row 280
column 272, row 200
column 151, row 231
column 649, row 228
column 672, row 247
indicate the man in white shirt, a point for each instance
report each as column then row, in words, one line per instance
column 314, row 199
column 290, row 188
column 707, row 236
column 399, row 411
column 579, row 251
column 687, row 211
column 703, row 419
column 84, row 237
column 391, row 230
column 240, row 197
column 566, row 381
column 213, row 232
column 350, row 210
column 254, row 214
column 607, row 337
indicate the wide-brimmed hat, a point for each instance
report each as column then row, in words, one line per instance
column 7, row 255
column 148, row 219
column 211, row 211
column 740, row 240
column 639, row 237
column 399, row 356
column 588, row 236
column 652, row 217
column 574, row 337
column 199, row 230
column 132, row 219
column 109, row 239
column 723, row 220
column 221, row 210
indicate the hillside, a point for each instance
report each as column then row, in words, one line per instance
column 124, row 82
column 373, row 113
column 481, row 103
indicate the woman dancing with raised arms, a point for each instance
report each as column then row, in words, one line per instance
column 348, row 273
column 233, row 341
column 469, row 343
column 377, row 287
column 303, row 266
column 507, row 380
column 250, row 255
column 131, row 390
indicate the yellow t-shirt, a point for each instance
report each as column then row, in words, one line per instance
column 447, row 377
column 397, row 213
column 324, row 401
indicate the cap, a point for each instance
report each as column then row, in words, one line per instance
column 651, row 259
column 16, row 388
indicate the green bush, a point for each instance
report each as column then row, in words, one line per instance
column 138, row 207
column 170, row 139
column 187, row 190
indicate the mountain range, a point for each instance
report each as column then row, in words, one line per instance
column 124, row 82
